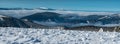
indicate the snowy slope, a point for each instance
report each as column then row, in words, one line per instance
column 56, row 36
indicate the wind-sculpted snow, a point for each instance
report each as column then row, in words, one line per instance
column 56, row 36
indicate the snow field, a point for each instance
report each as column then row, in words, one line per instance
column 11, row 35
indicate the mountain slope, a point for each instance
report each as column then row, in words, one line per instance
column 43, row 16
column 7, row 21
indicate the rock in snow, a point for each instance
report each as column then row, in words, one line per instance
column 11, row 35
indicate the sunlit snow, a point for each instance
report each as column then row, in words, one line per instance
column 56, row 36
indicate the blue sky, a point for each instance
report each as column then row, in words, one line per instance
column 97, row 5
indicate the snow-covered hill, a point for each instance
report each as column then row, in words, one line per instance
column 6, row 21
column 11, row 35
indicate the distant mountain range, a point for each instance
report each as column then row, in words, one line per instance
column 55, row 18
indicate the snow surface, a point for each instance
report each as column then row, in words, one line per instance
column 56, row 36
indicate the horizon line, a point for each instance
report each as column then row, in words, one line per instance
column 64, row 9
